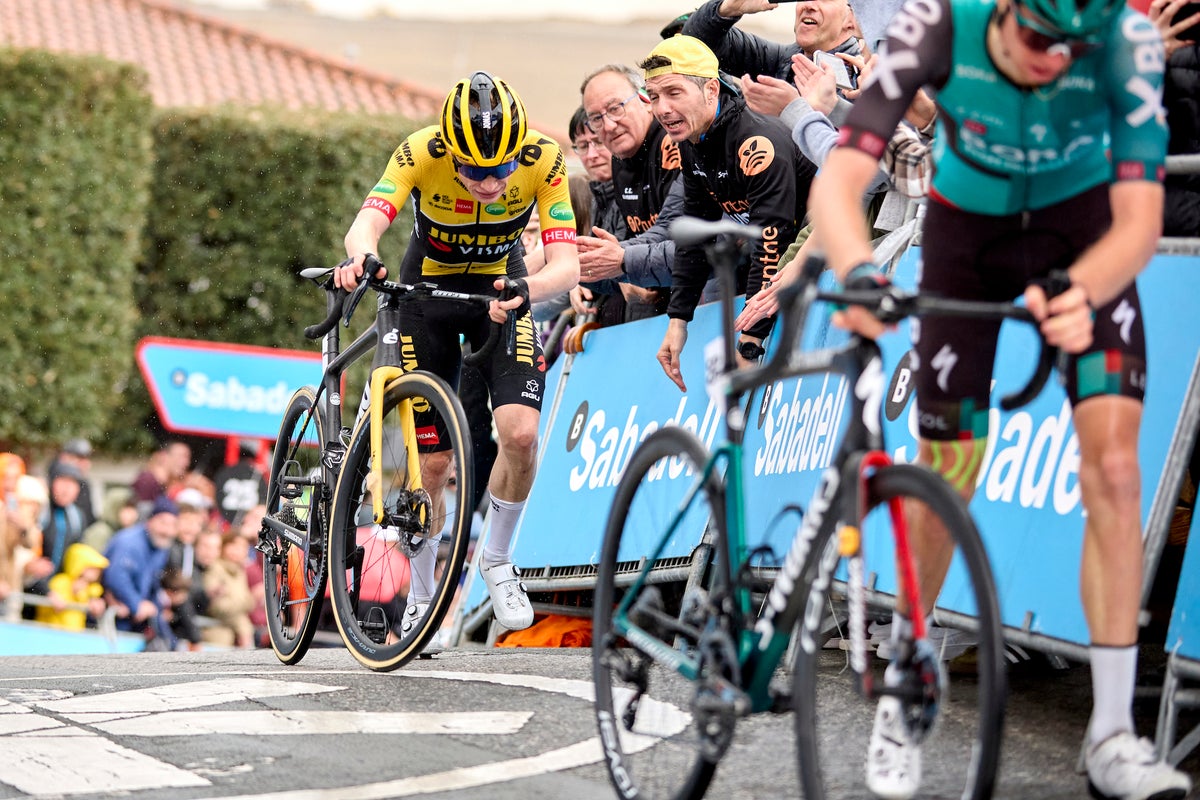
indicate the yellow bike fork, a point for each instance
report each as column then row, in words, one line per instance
column 380, row 378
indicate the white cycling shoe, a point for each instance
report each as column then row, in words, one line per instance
column 1124, row 767
column 510, row 602
column 893, row 761
column 413, row 613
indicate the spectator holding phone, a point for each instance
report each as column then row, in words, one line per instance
column 825, row 26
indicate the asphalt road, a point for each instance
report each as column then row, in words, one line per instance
column 495, row 723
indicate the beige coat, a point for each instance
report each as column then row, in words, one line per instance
column 230, row 604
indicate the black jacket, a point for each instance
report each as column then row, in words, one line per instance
column 740, row 53
column 644, row 179
column 747, row 166
column 1181, row 96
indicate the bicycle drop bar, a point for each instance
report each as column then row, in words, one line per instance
column 346, row 303
column 893, row 304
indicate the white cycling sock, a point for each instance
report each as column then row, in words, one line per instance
column 1114, row 670
column 500, row 530
column 421, row 571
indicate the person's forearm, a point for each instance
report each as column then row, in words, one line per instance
column 561, row 273
column 1116, row 258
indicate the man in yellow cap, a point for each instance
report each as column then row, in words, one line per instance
column 735, row 162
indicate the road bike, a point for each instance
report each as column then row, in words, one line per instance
column 348, row 508
column 683, row 649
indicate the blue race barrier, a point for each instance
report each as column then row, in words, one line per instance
column 1027, row 504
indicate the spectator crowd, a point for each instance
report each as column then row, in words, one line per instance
column 156, row 557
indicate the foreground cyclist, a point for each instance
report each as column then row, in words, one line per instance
column 474, row 180
column 1024, row 186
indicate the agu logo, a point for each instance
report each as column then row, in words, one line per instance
column 755, row 155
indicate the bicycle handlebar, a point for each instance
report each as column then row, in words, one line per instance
column 892, row 304
column 345, row 302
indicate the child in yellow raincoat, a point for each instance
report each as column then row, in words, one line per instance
column 77, row 585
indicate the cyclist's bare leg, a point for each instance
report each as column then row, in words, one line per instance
column 1110, row 482
column 958, row 462
column 512, row 474
column 436, row 469
column 517, row 429
column 1111, row 567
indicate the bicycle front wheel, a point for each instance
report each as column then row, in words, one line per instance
column 955, row 730
column 294, row 571
column 656, row 575
column 373, row 565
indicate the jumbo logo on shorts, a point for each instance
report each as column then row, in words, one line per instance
column 427, row 435
column 755, row 155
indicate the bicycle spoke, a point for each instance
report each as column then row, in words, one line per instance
column 660, row 739
column 945, row 693
column 294, row 562
column 392, row 580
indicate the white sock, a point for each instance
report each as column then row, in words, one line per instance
column 1114, row 670
column 421, row 571
column 500, row 530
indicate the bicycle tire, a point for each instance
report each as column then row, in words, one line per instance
column 960, row 755
column 294, row 577
column 368, row 565
column 676, row 764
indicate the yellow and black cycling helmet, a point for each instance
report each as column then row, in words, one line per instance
column 483, row 121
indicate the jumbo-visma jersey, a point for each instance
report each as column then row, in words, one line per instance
column 454, row 233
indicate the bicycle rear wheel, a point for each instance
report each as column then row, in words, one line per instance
column 294, row 572
column 960, row 753
column 369, row 563
column 656, row 743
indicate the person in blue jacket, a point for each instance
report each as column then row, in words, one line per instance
column 137, row 556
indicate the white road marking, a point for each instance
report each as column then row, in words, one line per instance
column 176, row 696
column 42, row 765
column 576, row 755
column 298, row 723
column 671, row 720
column 103, row 766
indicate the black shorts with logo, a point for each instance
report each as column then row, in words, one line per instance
column 979, row 257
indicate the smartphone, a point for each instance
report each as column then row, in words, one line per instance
column 1192, row 34
column 844, row 75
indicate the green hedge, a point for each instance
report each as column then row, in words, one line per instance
column 189, row 224
column 240, row 202
column 77, row 151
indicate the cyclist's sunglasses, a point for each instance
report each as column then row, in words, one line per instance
column 1038, row 36
column 500, row 171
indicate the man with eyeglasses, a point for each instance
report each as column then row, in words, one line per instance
column 474, row 180
column 1049, row 156
column 612, row 301
column 645, row 176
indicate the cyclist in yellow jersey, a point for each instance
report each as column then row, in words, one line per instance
column 474, row 179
